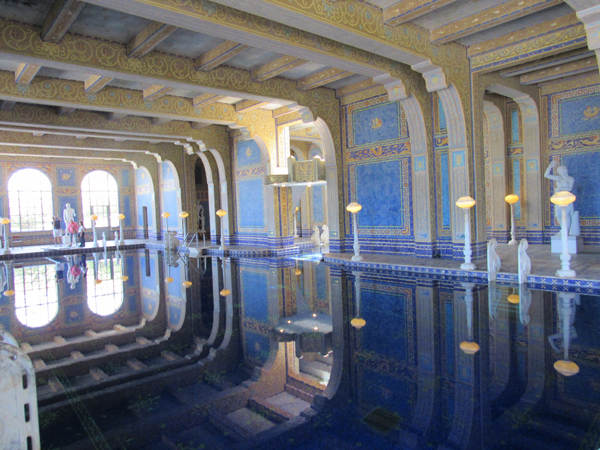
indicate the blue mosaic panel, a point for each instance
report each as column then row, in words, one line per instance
column 257, row 347
column 169, row 205
column 497, row 169
column 517, row 186
column 585, row 169
column 388, row 312
column 321, row 279
column 65, row 177
column 318, row 211
column 167, row 172
column 420, row 164
column 458, row 159
column 174, row 314
column 255, row 293
column 5, row 322
column 378, row 190
column 377, row 124
column 514, row 125
column 126, row 209
column 74, row 314
column 251, row 203
column 386, row 391
column 125, row 175
column 441, row 115
column 445, row 191
column 248, row 153
column 580, row 114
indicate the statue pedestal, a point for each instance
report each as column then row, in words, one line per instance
column 575, row 244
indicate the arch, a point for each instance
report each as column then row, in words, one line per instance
column 99, row 196
column 457, row 156
column 106, row 297
column 36, row 295
column 297, row 153
column 531, row 156
column 30, row 202
column 170, row 194
column 145, row 197
column 223, row 197
column 492, row 120
column 315, row 150
column 420, row 174
column 333, row 211
column 211, row 196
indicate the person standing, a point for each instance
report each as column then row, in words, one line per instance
column 56, row 231
column 81, row 234
column 72, row 229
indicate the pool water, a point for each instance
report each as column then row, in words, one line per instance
column 267, row 353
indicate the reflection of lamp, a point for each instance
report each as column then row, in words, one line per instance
column 121, row 239
column 222, row 213
column 187, row 284
column 5, row 221
column 564, row 199
column 354, row 208
column 9, row 293
column 98, row 281
column 566, row 308
column 466, row 203
column 513, row 298
column 296, row 221
column 94, row 218
column 225, row 292
column 469, row 346
column 357, row 322
column 165, row 216
column 297, row 272
column 511, row 199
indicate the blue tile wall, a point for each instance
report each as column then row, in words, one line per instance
column 514, row 121
column 376, row 124
column 255, row 293
column 585, row 168
column 318, row 212
column 251, row 203
column 445, row 182
column 577, row 114
column 378, row 190
column 248, row 153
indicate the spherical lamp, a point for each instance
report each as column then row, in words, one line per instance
column 514, row 299
column 225, row 292
column 187, row 284
column 166, row 215
column 9, row 293
column 169, row 280
column 124, row 278
column 563, row 198
column 184, row 214
column 221, row 213
column 354, row 207
column 469, row 347
column 566, row 368
column 121, row 216
column 511, row 199
column 94, row 217
column 98, row 281
column 358, row 323
column 465, row 202
column 297, row 272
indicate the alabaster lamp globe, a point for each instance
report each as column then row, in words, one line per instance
column 121, row 216
column 4, row 221
column 9, row 293
column 354, row 207
column 225, row 292
column 166, row 215
column 358, row 323
column 169, row 280
column 98, row 281
column 297, row 272
column 124, row 278
column 465, row 202
column 511, row 199
column 563, row 198
column 184, row 214
column 566, row 368
column 94, row 217
column 469, row 347
column 514, row 299
column 221, row 213
column 187, row 284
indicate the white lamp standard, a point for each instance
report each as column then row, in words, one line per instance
column 511, row 199
column 354, row 208
column 121, row 239
column 183, row 215
column 222, row 213
column 466, row 203
column 94, row 218
column 5, row 221
column 563, row 199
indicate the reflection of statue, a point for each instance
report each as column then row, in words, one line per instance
column 315, row 238
column 68, row 213
column 200, row 217
column 564, row 182
column 566, row 326
column 493, row 260
column 524, row 261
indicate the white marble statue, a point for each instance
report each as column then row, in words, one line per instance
column 315, row 238
column 493, row 260
column 171, row 242
column 68, row 214
column 564, row 182
column 200, row 216
column 524, row 261
column 325, row 236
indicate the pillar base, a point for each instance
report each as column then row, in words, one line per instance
column 566, row 273
column 357, row 258
column 468, row 266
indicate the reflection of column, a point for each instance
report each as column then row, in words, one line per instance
column 566, row 309
column 228, row 302
column 500, row 332
column 336, row 305
column 358, row 322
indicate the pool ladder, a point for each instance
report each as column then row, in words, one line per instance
column 187, row 243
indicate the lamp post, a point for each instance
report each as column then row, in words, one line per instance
column 563, row 199
column 354, row 208
column 222, row 213
column 183, row 215
column 94, row 218
column 5, row 221
column 466, row 203
column 511, row 199
column 121, row 239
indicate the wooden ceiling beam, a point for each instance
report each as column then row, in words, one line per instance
column 65, row 111
column 156, row 91
column 321, row 78
column 25, row 73
column 203, row 100
column 160, row 120
column 59, row 19
column 545, row 63
column 219, row 55
column 406, row 10
column 95, row 83
column 113, row 116
column 488, row 18
column 249, row 105
column 565, row 70
column 149, row 38
column 6, row 105
column 277, row 67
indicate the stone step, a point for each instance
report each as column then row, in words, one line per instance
column 301, row 394
column 203, row 436
column 136, row 364
column 315, row 368
column 55, row 385
column 269, row 411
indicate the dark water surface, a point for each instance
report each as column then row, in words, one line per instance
column 264, row 353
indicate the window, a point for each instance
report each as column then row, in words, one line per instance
column 30, row 201
column 100, row 196
column 105, row 298
column 36, row 295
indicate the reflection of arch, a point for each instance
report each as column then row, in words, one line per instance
column 457, row 155
column 170, row 193
column 36, row 295
column 224, row 198
column 99, row 196
column 105, row 298
column 531, row 157
column 30, row 201
column 492, row 119
column 333, row 209
column 145, row 197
